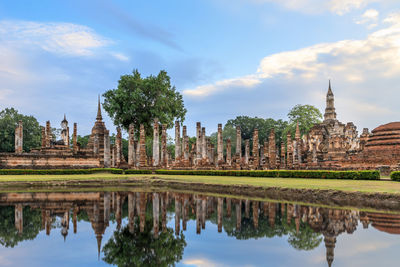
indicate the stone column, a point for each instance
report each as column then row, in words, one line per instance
column 220, row 145
column 156, row 144
column 137, row 155
column 107, row 157
column 272, row 149
column 19, row 137
column 203, row 212
column 43, row 136
column 177, row 214
column 220, row 210
column 198, row 213
column 185, row 147
column 112, row 153
column 238, row 143
column 75, row 138
column 198, row 143
column 185, row 211
column 212, row 148
column 156, row 214
column 106, row 203
column 142, row 211
column 131, row 212
column 256, row 152
column 142, row 151
column 246, row 152
column 19, row 222
column 49, row 135
column 131, row 146
column 204, row 158
column 266, row 154
column 118, row 145
column 247, row 208
column 164, row 158
column 289, row 157
column 238, row 215
column 228, row 207
column 228, row 152
column 177, row 142
column 255, row 213
column 283, row 153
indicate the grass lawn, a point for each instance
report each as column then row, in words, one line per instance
column 342, row 185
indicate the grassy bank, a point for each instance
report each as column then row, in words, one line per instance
column 298, row 183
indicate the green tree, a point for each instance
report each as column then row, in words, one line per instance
column 247, row 126
column 306, row 115
column 140, row 100
column 9, row 118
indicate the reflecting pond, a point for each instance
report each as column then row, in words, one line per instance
column 160, row 228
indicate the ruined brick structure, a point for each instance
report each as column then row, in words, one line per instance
column 330, row 144
column 60, row 153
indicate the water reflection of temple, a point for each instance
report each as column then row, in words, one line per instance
column 100, row 206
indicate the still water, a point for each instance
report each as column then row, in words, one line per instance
column 171, row 228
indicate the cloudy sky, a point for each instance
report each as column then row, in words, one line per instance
column 227, row 57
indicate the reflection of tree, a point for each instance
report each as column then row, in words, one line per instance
column 143, row 249
column 9, row 236
column 305, row 239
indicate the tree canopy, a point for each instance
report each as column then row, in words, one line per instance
column 140, row 100
column 306, row 115
column 9, row 118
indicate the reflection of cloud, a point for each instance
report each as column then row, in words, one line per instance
column 364, row 248
column 60, row 38
column 201, row 262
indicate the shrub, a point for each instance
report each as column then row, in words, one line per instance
column 58, row 171
column 395, row 176
column 138, row 172
column 350, row 175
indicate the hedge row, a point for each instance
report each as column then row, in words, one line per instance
column 59, row 171
column 350, row 175
column 138, row 171
column 395, row 176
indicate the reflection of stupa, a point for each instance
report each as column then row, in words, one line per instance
column 388, row 223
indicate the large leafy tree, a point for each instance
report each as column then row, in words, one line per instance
column 140, row 100
column 9, row 118
column 306, row 115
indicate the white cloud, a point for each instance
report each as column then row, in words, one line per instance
column 346, row 60
column 370, row 17
column 60, row 38
column 120, row 56
column 205, row 90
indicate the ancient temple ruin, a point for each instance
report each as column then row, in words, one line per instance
column 60, row 153
column 330, row 144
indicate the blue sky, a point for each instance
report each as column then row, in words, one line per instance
column 227, row 58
